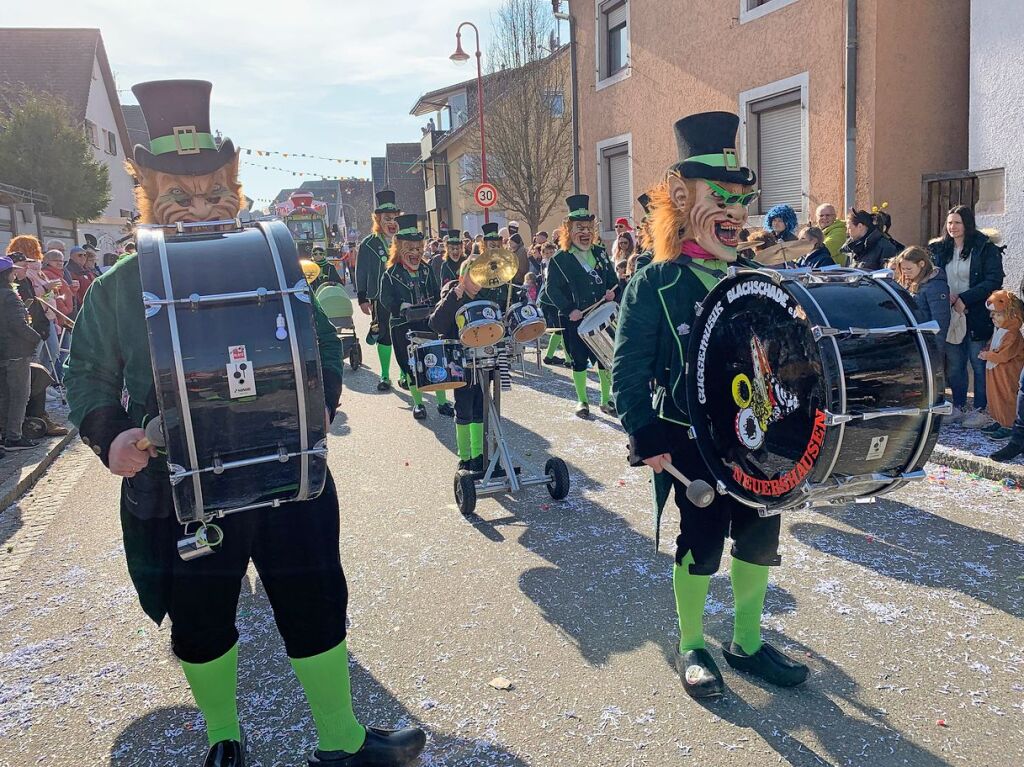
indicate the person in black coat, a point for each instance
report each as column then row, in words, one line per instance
column 974, row 268
column 820, row 256
column 18, row 342
column 867, row 248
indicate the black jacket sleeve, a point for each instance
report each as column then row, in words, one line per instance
column 442, row 319
column 991, row 277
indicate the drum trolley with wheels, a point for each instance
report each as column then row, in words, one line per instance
column 498, row 454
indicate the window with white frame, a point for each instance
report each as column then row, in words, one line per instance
column 755, row 9
column 555, row 101
column 616, row 183
column 776, row 149
column 90, row 133
column 613, row 39
column 469, row 168
column 111, row 141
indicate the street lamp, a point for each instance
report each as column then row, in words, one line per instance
column 459, row 57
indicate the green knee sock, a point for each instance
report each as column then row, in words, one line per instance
column 605, row 378
column 384, row 355
column 417, row 395
column 476, row 439
column 691, row 593
column 749, row 586
column 214, row 686
column 554, row 344
column 463, row 438
column 442, row 398
column 579, row 379
column 324, row 678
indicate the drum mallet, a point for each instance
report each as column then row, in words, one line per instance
column 154, row 435
column 698, row 492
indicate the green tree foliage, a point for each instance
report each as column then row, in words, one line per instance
column 44, row 149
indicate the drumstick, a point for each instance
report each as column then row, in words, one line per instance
column 154, row 436
column 596, row 303
column 698, row 492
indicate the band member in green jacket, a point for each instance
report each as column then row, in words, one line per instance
column 370, row 261
column 185, row 177
column 580, row 276
column 644, row 243
column 328, row 274
column 408, row 291
column 454, row 257
column 696, row 219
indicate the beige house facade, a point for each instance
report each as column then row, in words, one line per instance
column 781, row 66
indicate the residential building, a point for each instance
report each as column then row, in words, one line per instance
column 781, row 66
column 72, row 64
column 135, row 122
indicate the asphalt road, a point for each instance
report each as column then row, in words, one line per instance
column 909, row 612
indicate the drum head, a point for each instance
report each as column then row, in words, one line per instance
column 529, row 331
column 598, row 317
column 482, row 334
column 756, row 390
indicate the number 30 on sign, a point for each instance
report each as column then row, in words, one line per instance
column 485, row 195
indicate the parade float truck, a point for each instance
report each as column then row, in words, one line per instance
column 306, row 219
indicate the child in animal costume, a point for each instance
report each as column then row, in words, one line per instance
column 370, row 265
column 695, row 220
column 580, row 275
column 408, row 282
column 184, row 176
column 1004, row 360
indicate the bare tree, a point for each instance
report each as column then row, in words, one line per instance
column 526, row 112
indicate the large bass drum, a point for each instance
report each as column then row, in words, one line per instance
column 236, row 367
column 812, row 387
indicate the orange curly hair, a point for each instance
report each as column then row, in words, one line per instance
column 27, row 245
column 667, row 222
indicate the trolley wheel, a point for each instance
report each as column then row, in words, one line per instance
column 355, row 357
column 558, row 478
column 465, row 492
column 33, row 428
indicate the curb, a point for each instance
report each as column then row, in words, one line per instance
column 974, row 464
column 13, row 489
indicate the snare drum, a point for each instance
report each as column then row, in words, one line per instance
column 523, row 322
column 479, row 324
column 438, row 365
column 236, row 368
column 597, row 331
column 812, row 387
column 481, row 357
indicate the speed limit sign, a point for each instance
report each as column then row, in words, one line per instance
column 485, row 195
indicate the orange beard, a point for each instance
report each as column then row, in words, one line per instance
column 166, row 198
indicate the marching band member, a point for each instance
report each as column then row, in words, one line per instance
column 328, row 274
column 184, row 177
column 696, row 219
column 409, row 283
column 373, row 254
column 580, row 276
column 453, row 258
column 644, row 242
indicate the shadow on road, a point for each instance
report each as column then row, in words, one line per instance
column 907, row 543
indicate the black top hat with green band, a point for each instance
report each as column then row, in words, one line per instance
column 177, row 115
column 454, row 235
column 579, row 207
column 407, row 229
column 490, row 231
column 645, row 202
column 386, row 202
column 707, row 148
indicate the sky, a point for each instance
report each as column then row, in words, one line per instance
column 333, row 79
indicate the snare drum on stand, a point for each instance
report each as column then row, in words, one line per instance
column 479, row 323
column 524, row 323
column 597, row 331
column 236, row 366
column 812, row 387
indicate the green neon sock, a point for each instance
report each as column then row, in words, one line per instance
column 691, row 593
column 605, row 379
column 384, row 355
column 554, row 344
column 417, row 395
column 325, row 680
column 442, row 398
column 579, row 379
column 476, row 439
column 463, row 438
column 215, row 686
column 749, row 586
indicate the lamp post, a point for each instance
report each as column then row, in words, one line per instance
column 459, row 57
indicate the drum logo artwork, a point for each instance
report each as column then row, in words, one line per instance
column 762, row 401
column 488, row 313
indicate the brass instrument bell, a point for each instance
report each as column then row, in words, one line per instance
column 493, row 268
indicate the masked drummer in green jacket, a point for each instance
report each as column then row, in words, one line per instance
column 696, row 220
column 184, row 176
column 408, row 291
column 643, row 235
column 581, row 276
column 370, row 265
column 454, row 257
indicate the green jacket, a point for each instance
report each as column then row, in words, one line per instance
column 111, row 355
column 328, row 276
column 835, row 237
column 644, row 259
column 570, row 286
column 450, row 270
column 398, row 286
column 370, row 260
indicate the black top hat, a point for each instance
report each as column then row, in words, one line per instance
column 490, row 231
column 707, row 148
column 407, row 229
column 579, row 207
column 177, row 115
column 454, row 235
column 386, row 202
column 645, row 202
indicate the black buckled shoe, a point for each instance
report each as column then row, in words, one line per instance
column 446, row 409
column 419, row 412
column 226, row 753
column 768, row 663
column 384, row 385
column 609, row 409
column 382, row 748
column 1009, row 451
column 699, row 674
column 404, row 383
column 465, row 464
column 583, row 410
column 554, row 360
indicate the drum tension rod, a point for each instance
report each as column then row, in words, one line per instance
column 835, row 419
column 824, row 331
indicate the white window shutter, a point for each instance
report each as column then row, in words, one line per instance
column 619, row 193
column 616, row 16
column 780, row 157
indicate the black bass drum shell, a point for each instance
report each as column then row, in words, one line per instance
column 761, row 388
column 229, row 429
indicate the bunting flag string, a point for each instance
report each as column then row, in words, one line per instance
column 311, row 174
column 271, row 153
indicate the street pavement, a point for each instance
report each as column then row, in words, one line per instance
column 908, row 611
